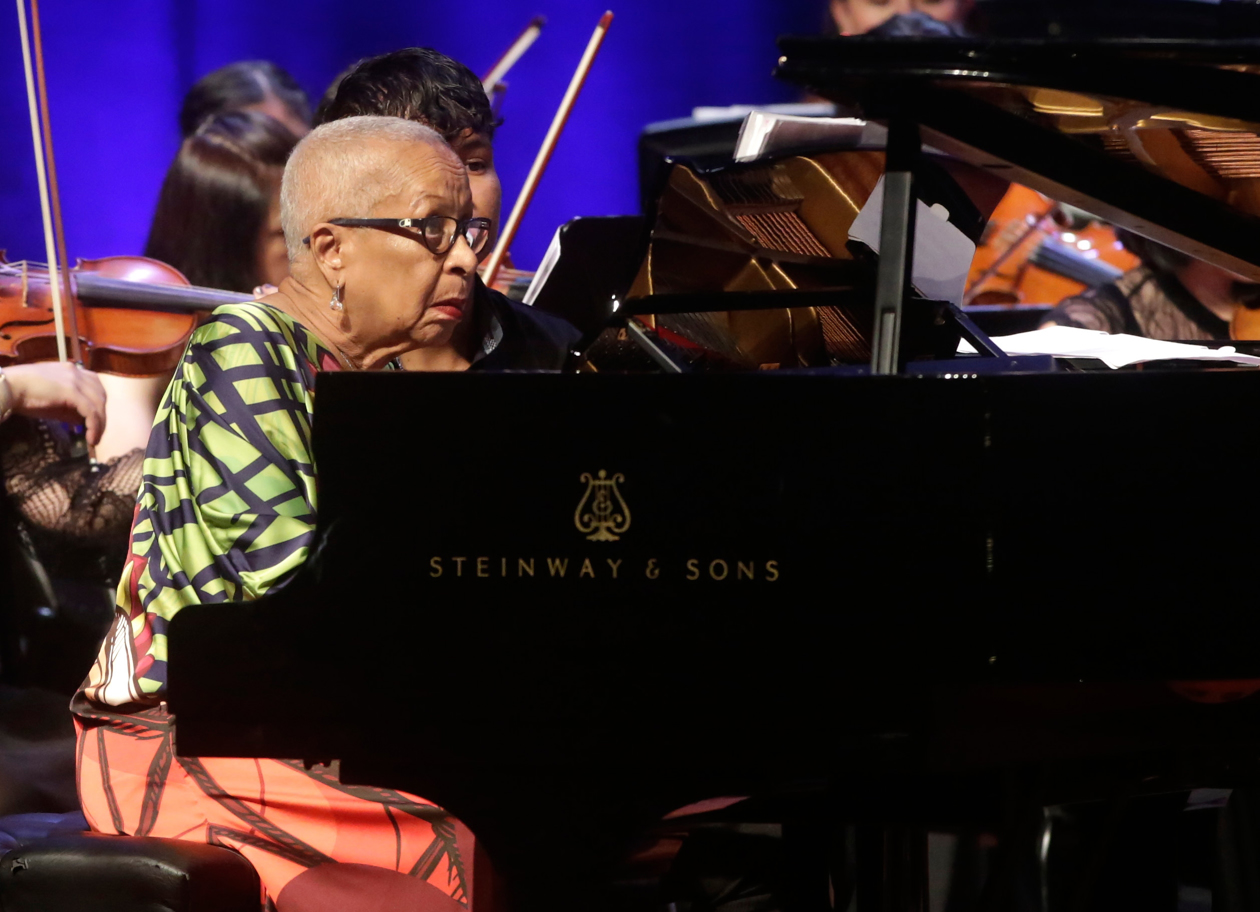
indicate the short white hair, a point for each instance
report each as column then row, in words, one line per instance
column 344, row 169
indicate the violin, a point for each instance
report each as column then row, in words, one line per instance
column 1245, row 324
column 1030, row 248
column 509, row 276
column 96, row 314
column 131, row 315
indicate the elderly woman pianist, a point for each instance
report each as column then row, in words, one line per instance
column 377, row 219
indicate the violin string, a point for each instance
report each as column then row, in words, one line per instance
column 44, row 205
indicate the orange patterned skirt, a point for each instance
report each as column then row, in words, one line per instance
column 317, row 844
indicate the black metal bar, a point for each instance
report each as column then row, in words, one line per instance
column 974, row 334
column 719, row 301
column 896, row 244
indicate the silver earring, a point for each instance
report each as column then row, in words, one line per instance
column 336, row 303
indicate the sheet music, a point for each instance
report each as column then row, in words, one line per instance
column 1113, row 349
column 942, row 253
column 765, row 134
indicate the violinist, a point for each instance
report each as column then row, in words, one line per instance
column 62, row 513
column 248, row 85
column 430, row 88
column 68, row 516
column 1168, row 296
column 217, row 221
column 218, row 216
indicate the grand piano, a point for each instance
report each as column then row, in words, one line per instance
column 877, row 585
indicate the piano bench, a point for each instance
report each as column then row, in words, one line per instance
column 126, row 874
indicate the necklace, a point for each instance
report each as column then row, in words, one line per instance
column 345, row 359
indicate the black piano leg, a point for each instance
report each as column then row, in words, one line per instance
column 892, row 869
column 811, row 872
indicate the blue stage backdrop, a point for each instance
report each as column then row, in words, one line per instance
column 117, row 72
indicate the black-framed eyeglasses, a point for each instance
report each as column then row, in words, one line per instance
column 437, row 232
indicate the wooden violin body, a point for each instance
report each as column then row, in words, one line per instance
column 1009, row 267
column 1245, row 324
column 133, row 314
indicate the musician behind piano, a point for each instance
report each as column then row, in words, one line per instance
column 430, row 88
column 1170, row 295
column 860, row 17
column 377, row 215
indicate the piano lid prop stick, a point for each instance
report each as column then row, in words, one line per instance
column 514, row 53
column 491, row 268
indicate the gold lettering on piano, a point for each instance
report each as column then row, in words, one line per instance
column 718, row 570
column 602, row 512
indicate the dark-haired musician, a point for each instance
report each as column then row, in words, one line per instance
column 1169, row 296
column 857, row 17
column 422, row 85
column 218, row 216
column 247, row 85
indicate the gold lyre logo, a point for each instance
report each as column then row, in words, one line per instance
column 601, row 511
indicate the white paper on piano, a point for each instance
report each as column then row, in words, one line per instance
column 765, row 133
column 1113, row 349
column 942, row 253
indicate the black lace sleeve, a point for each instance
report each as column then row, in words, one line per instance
column 72, row 509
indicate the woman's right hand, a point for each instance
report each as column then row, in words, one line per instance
column 60, row 391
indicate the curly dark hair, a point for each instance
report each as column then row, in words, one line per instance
column 239, row 85
column 416, row 84
column 216, row 197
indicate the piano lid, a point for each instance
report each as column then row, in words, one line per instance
column 1161, row 136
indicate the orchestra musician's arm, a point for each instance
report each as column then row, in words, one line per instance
column 56, row 390
column 1170, row 295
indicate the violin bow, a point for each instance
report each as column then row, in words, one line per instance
column 46, row 173
column 515, row 51
column 491, row 268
